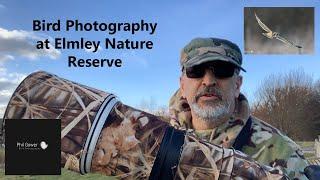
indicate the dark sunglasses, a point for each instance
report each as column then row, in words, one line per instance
column 220, row 70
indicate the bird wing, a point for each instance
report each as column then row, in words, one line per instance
column 263, row 26
column 282, row 39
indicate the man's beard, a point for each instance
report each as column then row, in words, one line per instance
column 211, row 111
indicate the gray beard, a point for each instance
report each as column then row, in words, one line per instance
column 210, row 113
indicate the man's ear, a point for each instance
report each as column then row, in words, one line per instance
column 238, row 85
column 182, row 86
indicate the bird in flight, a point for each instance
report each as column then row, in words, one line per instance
column 271, row 34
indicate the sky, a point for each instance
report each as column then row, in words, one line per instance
column 148, row 76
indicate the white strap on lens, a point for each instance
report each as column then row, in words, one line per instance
column 94, row 133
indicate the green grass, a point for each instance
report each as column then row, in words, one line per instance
column 309, row 155
column 305, row 143
column 1, row 157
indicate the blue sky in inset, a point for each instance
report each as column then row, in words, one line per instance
column 149, row 74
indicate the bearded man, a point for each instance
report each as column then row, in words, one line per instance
column 209, row 103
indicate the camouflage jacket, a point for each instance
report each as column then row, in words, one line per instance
column 264, row 143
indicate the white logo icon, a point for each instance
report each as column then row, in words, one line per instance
column 43, row 145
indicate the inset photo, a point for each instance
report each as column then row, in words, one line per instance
column 279, row 30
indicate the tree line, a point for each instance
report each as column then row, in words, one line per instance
column 290, row 102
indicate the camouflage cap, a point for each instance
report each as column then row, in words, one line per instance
column 201, row 50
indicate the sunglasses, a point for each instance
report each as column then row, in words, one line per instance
column 220, row 70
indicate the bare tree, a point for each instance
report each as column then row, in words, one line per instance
column 290, row 102
column 150, row 106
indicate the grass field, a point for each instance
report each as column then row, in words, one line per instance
column 307, row 145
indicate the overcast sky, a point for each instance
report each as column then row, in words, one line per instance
column 146, row 75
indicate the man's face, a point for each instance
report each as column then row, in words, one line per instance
column 210, row 96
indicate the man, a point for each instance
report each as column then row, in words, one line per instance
column 209, row 102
